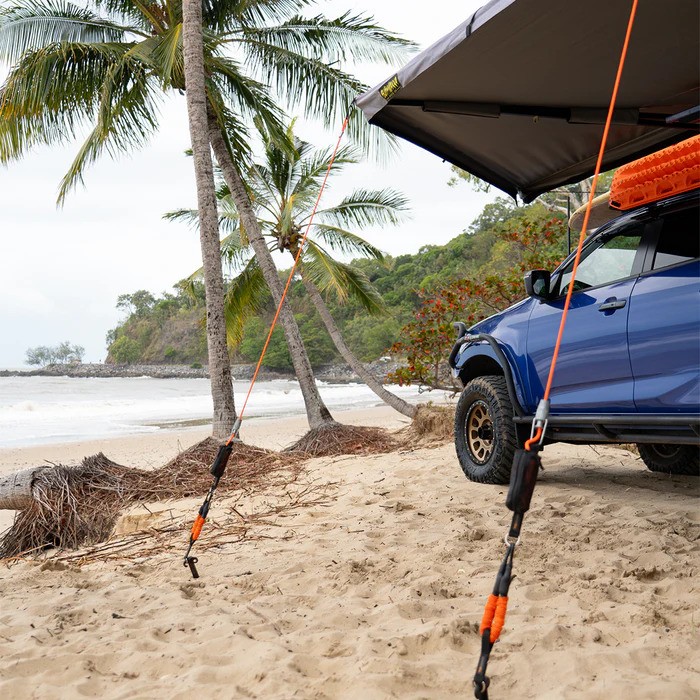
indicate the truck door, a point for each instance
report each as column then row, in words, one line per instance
column 593, row 372
column 664, row 317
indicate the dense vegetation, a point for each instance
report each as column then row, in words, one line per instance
column 170, row 328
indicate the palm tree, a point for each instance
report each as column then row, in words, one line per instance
column 194, row 73
column 284, row 190
column 107, row 64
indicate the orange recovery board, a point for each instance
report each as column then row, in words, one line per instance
column 662, row 174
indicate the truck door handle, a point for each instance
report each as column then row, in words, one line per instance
column 612, row 304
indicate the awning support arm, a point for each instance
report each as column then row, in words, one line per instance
column 686, row 119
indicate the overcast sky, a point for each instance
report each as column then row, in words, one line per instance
column 62, row 270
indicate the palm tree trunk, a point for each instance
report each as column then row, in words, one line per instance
column 360, row 370
column 219, row 361
column 316, row 411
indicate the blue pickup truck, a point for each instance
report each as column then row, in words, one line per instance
column 628, row 368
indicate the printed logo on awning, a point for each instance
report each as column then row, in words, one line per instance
column 390, row 88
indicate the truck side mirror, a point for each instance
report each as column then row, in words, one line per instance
column 537, row 284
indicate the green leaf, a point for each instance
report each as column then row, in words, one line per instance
column 52, row 91
column 127, row 117
column 367, row 208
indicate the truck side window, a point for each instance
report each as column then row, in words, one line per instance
column 679, row 241
column 613, row 259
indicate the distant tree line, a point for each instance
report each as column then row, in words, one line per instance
column 61, row 354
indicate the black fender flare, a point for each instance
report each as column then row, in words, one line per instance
column 500, row 357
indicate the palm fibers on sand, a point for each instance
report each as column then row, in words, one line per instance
column 432, row 425
column 338, row 439
column 77, row 506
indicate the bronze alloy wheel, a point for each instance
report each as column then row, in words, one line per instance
column 485, row 438
column 479, row 432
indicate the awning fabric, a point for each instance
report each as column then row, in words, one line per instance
column 518, row 93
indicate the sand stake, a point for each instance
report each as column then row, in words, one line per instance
column 217, row 471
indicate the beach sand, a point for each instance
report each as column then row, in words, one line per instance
column 375, row 590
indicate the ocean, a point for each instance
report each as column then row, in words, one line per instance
column 42, row 410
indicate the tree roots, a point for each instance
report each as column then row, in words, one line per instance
column 338, row 439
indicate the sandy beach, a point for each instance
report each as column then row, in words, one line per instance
column 367, row 579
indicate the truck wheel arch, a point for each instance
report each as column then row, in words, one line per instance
column 479, row 366
column 488, row 358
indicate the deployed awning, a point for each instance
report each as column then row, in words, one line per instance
column 517, row 95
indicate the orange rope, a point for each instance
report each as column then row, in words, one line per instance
column 232, row 437
column 582, row 237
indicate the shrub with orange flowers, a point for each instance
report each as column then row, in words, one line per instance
column 528, row 242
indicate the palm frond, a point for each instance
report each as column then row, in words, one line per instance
column 51, row 92
column 246, row 296
column 163, row 54
column 377, row 143
column 29, row 25
column 348, row 37
column 233, row 127
column 226, row 15
column 340, row 279
column 367, row 208
column 190, row 217
column 236, row 251
column 127, row 117
column 152, row 15
column 259, row 182
column 312, row 169
column 248, row 97
column 173, row 8
column 136, row 12
column 346, row 242
column 233, row 250
column 326, row 92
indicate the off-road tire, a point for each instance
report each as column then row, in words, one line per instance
column 485, row 436
column 671, row 459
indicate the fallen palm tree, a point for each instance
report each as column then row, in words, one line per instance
column 69, row 507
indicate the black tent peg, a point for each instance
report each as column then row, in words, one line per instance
column 191, row 561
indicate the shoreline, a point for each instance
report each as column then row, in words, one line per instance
column 337, row 373
column 153, row 449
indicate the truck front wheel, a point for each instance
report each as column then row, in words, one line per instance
column 485, row 436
